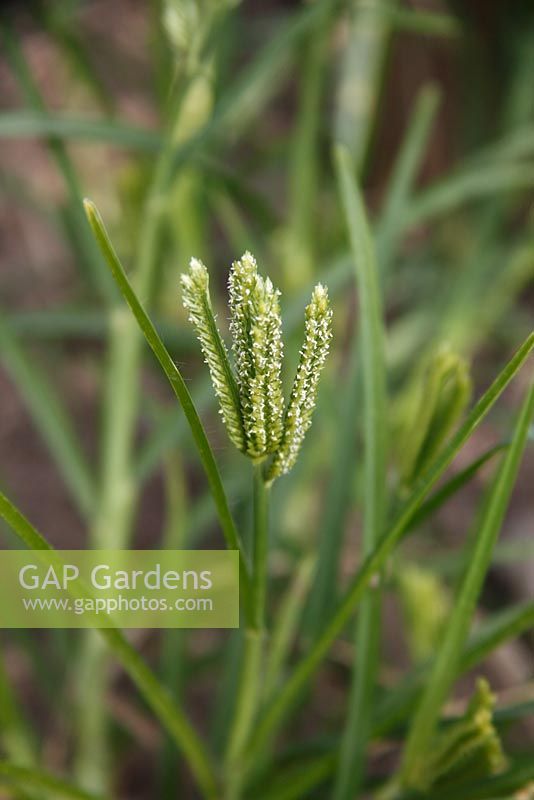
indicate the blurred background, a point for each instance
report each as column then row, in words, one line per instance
column 205, row 127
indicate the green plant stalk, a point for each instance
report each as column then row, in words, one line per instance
column 271, row 719
column 443, row 672
column 250, row 682
column 171, row 717
column 357, row 727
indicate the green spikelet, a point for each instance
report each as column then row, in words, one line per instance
column 196, row 299
column 256, row 329
column 298, row 417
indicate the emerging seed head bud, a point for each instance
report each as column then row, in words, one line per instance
column 252, row 402
column 469, row 748
column 429, row 410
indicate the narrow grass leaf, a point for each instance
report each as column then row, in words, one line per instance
column 372, row 343
column 296, row 782
column 27, row 124
column 468, row 184
column 424, row 22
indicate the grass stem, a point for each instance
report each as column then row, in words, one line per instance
column 249, row 687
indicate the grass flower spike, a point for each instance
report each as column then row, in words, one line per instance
column 251, row 400
column 313, row 355
column 196, row 299
column 256, row 328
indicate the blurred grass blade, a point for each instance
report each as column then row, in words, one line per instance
column 15, row 733
column 50, row 418
column 26, row 124
column 155, row 695
column 64, row 28
column 86, row 324
column 444, row 670
column 507, row 624
column 271, row 719
column 361, row 74
column 296, row 782
column 94, row 270
column 468, row 184
column 510, row 551
column 287, row 622
column 374, row 423
column 424, row 22
column 19, row 777
column 517, row 143
column 300, row 235
column 182, row 393
column 407, row 165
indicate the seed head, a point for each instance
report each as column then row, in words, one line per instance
column 251, row 399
